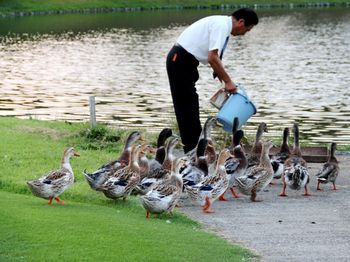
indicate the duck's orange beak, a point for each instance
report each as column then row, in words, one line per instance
column 76, row 154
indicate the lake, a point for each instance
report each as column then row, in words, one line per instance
column 295, row 66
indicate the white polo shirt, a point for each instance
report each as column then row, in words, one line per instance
column 205, row 35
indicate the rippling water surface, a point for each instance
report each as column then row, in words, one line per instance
column 295, row 65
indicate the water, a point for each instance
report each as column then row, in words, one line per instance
column 295, row 66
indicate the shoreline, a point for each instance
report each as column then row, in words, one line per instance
column 92, row 10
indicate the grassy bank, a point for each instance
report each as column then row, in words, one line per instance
column 29, row 7
column 89, row 227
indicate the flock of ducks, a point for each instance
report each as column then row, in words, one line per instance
column 201, row 176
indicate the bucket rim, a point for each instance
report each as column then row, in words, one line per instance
column 250, row 101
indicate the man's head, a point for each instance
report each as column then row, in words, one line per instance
column 244, row 20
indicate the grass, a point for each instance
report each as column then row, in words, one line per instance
column 89, row 227
column 33, row 231
column 8, row 6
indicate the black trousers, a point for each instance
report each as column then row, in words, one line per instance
column 183, row 75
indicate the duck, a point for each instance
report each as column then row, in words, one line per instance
column 330, row 169
column 295, row 172
column 160, row 151
column 155, row 176
column 165, row 195
column 236, row 168
column 210, row 151
column 277, row 161
column 98, row 177
column 237, row 164
column 124, row 180
column 253, row 156
column 54, row 183
column 193, row 173
column 257, row 177
column 212, row 186
column 209, row 124
column 144, row 162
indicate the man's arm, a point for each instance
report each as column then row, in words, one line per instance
column 216, row 64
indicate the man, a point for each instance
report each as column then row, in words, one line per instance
column 204, row 41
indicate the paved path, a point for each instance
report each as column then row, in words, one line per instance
column 294, row 228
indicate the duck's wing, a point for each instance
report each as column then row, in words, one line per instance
column 165, row 189
column 326, row 172
column 192, row 175
column 231, row 165
column 158, row 173
column 253, row 160
column 211, row 180
column 125, row 174
column 56, row 176
column 154, row 165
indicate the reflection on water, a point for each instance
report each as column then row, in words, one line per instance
column 294, row 64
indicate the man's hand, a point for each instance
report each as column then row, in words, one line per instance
column 230, row 87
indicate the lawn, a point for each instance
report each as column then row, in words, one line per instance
column 88, row 227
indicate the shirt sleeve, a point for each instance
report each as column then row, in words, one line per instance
column 217, row 36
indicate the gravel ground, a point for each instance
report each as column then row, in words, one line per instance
column 293, row 228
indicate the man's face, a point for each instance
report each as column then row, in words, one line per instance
column 239, row 27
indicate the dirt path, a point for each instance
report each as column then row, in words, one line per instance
column 294, row 228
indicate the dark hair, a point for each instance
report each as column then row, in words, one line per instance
column 249, row 16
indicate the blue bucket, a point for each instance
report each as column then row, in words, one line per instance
column 237, row 105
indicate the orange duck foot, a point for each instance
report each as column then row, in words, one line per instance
column 207, row 211
column 207, row 205
column 318, row 186
column 334, row 188
column 306, row 193
column 222, row 198
column 59, row 201
column 235, row 195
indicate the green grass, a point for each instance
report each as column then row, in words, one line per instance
column 7, row 6
column 88, row 227
column 33, row 231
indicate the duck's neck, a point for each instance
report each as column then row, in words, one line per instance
column 169, row 157
column 144, row 165
column 65, row 163
column 176, row 178
column 265, row 159
column 160, row 154
column 210, row 152
column 332, row 157
column 243, row 162
column 208, row 125
column 129, row 142
column 236, row 140
column 134, row 163
column 167, row 161
column 257, row 144
column 285, row 147
column 125, row 156
column 220, row 165
column 202, row 164
column 296, row 145
column 259, row 134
